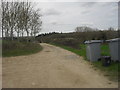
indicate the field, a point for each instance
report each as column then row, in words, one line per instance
column 14, row 48
column 111, row 71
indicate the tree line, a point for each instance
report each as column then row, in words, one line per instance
column 20, row 19
column 80, row 35
column 89, row 29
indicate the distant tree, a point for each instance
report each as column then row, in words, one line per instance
column 84, row 29
column 111, row 28
column 118, row 32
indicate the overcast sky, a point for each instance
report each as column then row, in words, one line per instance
column 66, row 16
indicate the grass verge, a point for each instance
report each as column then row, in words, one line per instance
column 111, row 71
column 14, row 48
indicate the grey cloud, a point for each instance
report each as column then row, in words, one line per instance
column 51, row 12
column 67, row 16
column 89, row 4
column 53, row 22
column 85, row 12
column 87, row 7
column 108, row 3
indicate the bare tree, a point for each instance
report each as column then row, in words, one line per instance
column 35, row 23
column 20, row 17
column 84, row 29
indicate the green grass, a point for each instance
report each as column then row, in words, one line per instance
column 105, row 50
column 81, row 51
column 19, row 48
column 111, row 71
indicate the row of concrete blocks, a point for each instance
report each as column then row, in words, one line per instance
column 93, row 51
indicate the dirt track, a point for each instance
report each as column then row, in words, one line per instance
column 53, row 67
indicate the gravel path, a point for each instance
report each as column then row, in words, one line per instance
column 53, row 67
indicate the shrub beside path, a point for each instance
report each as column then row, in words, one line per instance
column 53, row 67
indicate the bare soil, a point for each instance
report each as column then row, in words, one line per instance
column 53, row 67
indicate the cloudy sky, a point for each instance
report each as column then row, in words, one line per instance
column 66, row 16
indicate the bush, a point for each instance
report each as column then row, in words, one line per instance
column 14, row 48
column 67, row 42
column 7, row 45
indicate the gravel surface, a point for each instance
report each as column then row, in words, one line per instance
column 53, row 67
